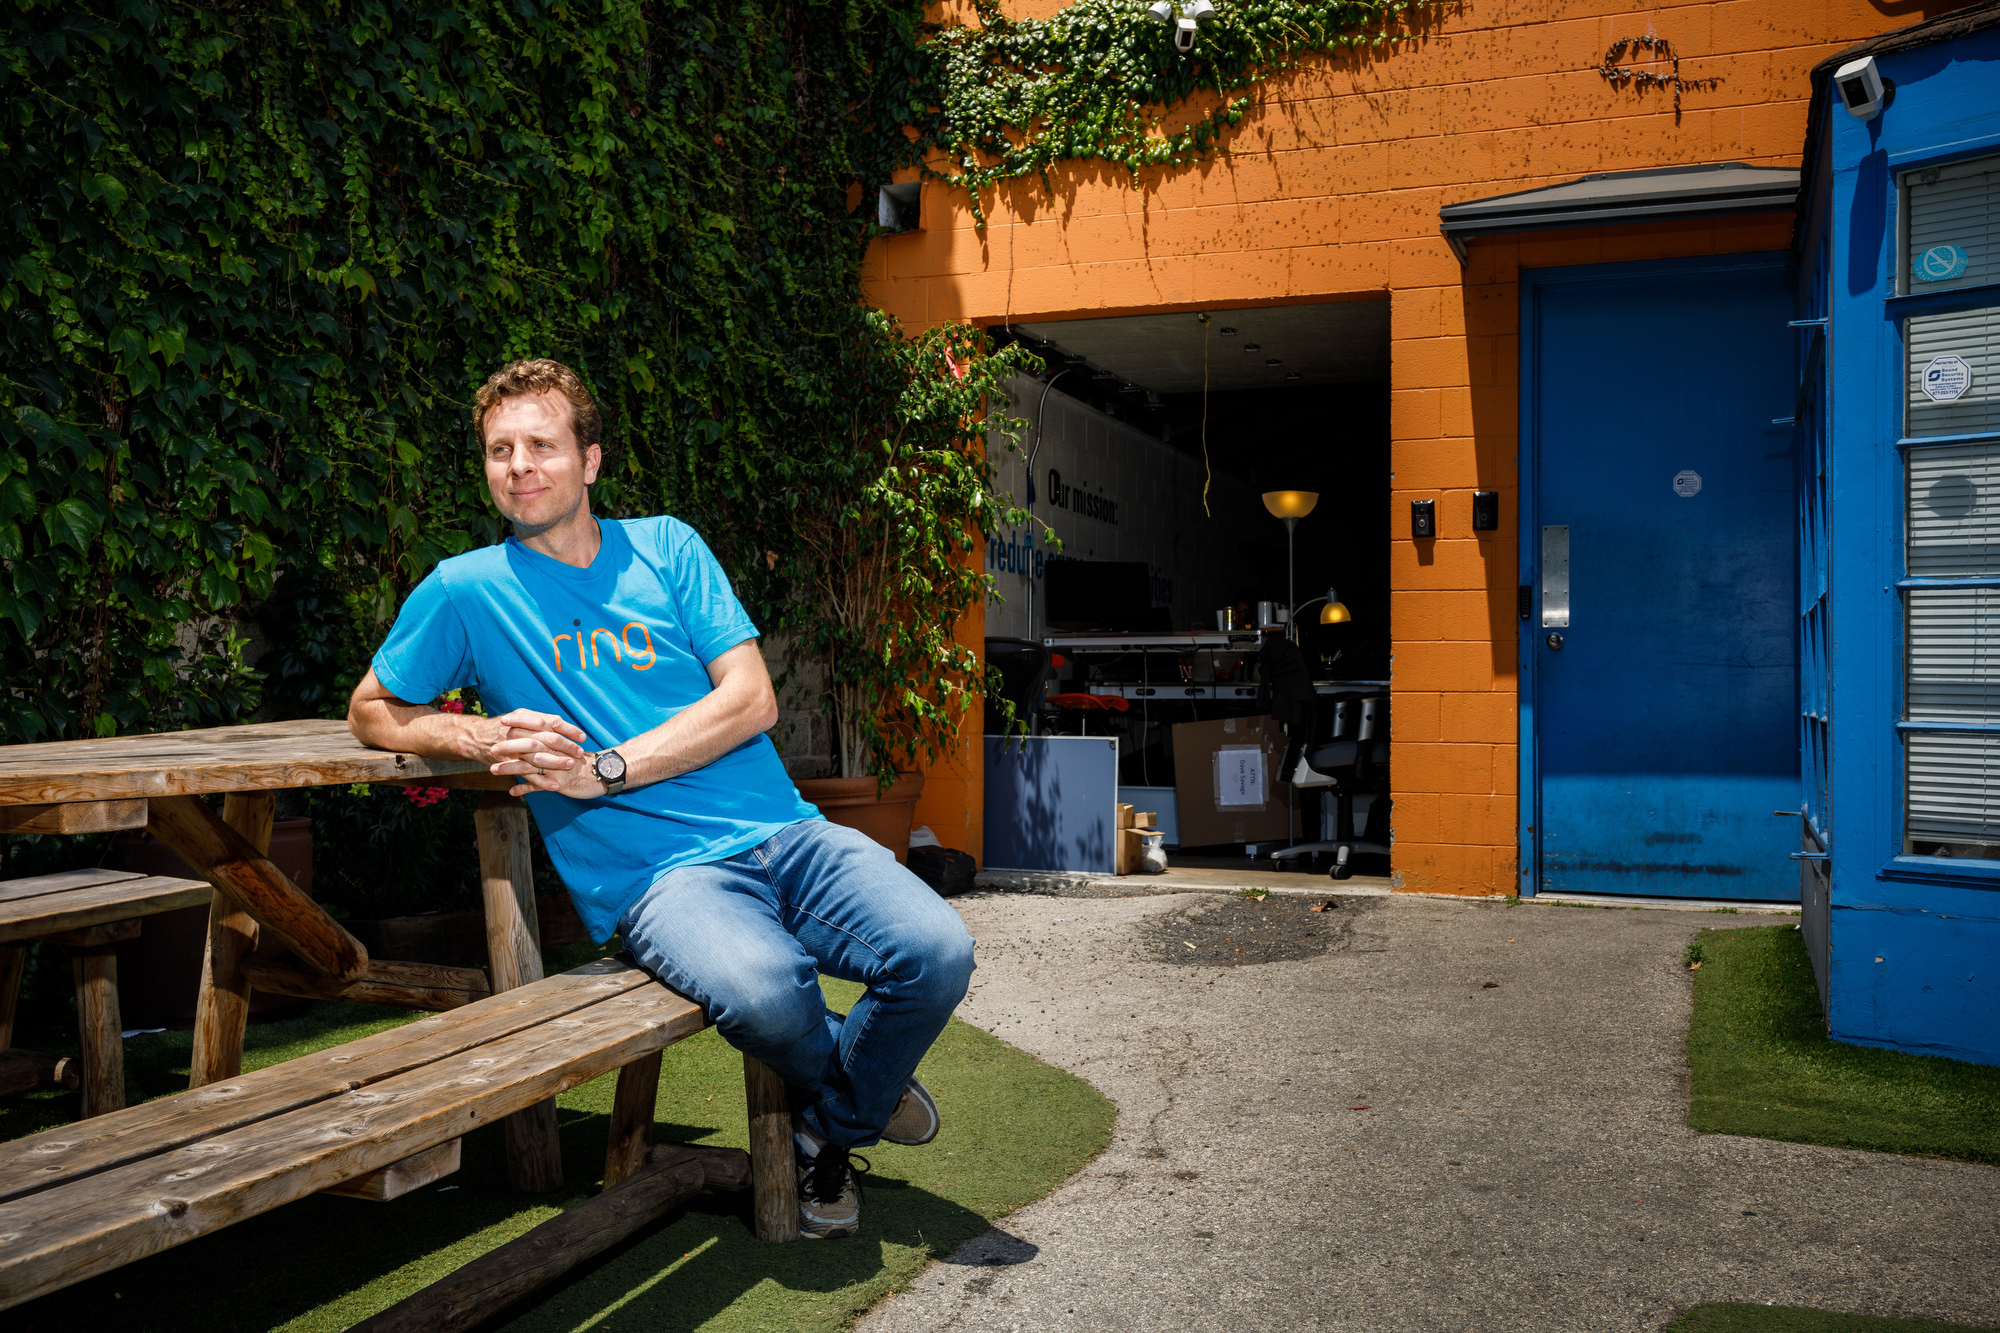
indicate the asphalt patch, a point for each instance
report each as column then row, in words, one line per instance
column 1232, row 931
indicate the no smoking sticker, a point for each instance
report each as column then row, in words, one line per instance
column 1946, row 378
column 1687, row 484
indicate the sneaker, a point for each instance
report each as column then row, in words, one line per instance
column 830, row 1193
column 915, row 1120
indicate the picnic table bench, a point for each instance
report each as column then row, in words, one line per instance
column 92, row 1196
column 90, row 911
column 375, row 1118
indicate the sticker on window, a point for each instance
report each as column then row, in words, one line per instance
column 1940, row 263
column 1239, row 777
column 1687, row 484
column 1947, row 378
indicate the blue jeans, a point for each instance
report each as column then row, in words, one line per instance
column 747, row 937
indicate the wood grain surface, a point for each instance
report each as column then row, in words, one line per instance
column 514, row 958
column 83, row 817
column 261, row 756
column 399, row 1178
column 31, row 916
column 98, row 1029
column 59, row 1157
column 773, row 1156
column 53, row 1238
column 632, row 1108
column 231, row 862
column 498, row 1278
column 427, row 986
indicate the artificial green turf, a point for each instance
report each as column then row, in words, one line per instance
column 1760, row 1063
column 1014, row 1128
column 1737, row 1317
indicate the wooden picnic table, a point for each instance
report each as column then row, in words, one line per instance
column 156, row 782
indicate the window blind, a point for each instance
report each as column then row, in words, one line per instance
column 1956, row 206
column 1952, row 645
column 1973, row 336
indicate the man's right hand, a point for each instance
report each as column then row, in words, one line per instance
column 518, row 743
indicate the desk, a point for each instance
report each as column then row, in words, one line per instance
column 156, row 782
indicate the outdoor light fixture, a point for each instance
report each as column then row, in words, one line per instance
column 1291, row 506
column 1186, row 23
column 1861, row 87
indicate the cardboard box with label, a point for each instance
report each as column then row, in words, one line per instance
column 1226, row 786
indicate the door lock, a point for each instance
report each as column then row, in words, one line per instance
column 1555, row 641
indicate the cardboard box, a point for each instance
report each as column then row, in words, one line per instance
column 1226, row 786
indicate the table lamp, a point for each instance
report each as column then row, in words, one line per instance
column 1290, row 506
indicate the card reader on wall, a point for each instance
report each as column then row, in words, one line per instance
column 1423, row 519
column 1486, row 511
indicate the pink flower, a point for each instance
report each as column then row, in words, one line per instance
column 423, row 796
column 451, row 706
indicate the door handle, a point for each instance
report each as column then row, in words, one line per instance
column 1555, row 642
column 1555, row 578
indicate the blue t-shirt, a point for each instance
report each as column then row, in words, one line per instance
column 617, row 648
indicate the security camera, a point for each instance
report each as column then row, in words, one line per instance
column 1186, row 23
column 1860, row 86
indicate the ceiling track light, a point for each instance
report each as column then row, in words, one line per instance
column 1273, row 362
column 1227, row 332
column 1253, row 347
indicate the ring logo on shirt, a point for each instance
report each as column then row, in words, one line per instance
column 588, row 652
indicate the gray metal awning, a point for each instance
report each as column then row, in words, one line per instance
column 1620, row 198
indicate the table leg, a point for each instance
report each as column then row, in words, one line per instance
column 98, row 1028
column 222, row 1006
column 774, row 1172
column 514, row 952
column 632, row 1118
column 13, row 964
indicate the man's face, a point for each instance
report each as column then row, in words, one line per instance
column 538, row 476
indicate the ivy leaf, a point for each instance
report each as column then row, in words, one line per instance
column 102, row 185
column 73, row 521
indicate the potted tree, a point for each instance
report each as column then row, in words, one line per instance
column 887, row 536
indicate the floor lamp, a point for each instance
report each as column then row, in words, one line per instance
column 1291, row 506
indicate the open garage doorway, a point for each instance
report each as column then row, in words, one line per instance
column 1149, row 623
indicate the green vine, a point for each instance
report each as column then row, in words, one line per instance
column 255, row 255
column 1101, row 81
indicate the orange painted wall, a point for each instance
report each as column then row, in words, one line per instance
column 1331, row 190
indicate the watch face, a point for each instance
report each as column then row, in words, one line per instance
column 610, row 766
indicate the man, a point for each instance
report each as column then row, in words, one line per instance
column 631, row 703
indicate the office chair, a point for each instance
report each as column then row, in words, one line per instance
column 1337, row 741
column 1024, row 674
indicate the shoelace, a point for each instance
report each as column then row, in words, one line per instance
column 827, row 1178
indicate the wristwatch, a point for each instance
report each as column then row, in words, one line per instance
column 609, row 766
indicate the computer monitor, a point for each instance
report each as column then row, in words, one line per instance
column 1114, row 595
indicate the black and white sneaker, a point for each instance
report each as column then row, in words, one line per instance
column 915, row 1121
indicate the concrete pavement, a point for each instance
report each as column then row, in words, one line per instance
column 1522, row 1161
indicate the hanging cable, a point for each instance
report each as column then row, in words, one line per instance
column 1207, row 473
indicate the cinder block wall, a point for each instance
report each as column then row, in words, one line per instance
column 1331, row 190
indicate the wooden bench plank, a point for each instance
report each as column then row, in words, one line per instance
column 57, row 1237
column 62, row 882
column 29, row 917
column 62, row 1155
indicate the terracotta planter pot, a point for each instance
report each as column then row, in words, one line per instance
column 854, row 803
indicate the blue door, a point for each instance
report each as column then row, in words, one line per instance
column 1659, row 654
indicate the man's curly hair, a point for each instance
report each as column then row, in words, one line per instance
column 540, row 376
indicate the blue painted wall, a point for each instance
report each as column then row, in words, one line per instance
column 1911, row 945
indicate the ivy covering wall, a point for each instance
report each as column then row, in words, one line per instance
column 256, row 256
